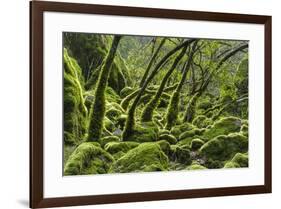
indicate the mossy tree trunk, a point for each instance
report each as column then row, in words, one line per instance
column 97, row 111
column 173, row 107
column 190, row 109
column 147, row 113
column 130, row 122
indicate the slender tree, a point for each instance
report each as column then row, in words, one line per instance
column 97, row 110
column 172, row 113
column 147, row 113
column 151, row 62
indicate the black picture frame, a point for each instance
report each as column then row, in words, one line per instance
column 37, row 8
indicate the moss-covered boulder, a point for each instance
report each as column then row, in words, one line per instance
column 165, row 146
column 224, row 126
column 196, row 144
column 169, row 138
column 103, row 141
column 191, row 133
column 88, row 159
column 145, row 132
column 146, row 157
column 75, row 111
column 180, row 154
column 179, row 129
column 195, row 167
column 224, row 147
column 115, row 147
column 238, row 161
column 201, row 121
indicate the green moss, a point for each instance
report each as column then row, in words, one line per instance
column 191, row 133
column 196, row 144
column 97, row 111
column 115, row 147
column 180, row 154
column 224, row 147
column 146, row 132
column 88, row 159
column 195, row 167
column 109, row 125
column 185, row 142
column 241, row 77
column 126, row 91
column 244, row 130
column 164, row 131
column 111, row 95
column 201, row 121
column 144, row 158
column 179, row 129
column 121, row 121
column 113, row 113
column 126, row 101
column 169, row 138
column 238, row 161
column 191, row 108
column 223, row 126
column 67, row 150
column 165, row 146
column 173, row 110
column 103, row 141
column 75, row 111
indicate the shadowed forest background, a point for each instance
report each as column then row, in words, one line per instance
column 140, row 104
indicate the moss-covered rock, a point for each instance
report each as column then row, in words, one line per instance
column 88, row 159
column 146, row 132
column 115, row 147
column 179, row 129
column 191, row 133
column 165, row 146
column 164, row 131
column 195, row 167
column 180, row 154
column 196, row 144
column 201, row 121
column 75, row 111
column 144, row 158
column 169, row 138
column 224, row 147
column 223, row 126
column 238, row 161
column 103, row 141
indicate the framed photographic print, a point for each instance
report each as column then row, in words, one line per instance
column 139, row 104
